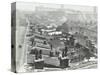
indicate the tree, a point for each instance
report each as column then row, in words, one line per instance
column 87, row 53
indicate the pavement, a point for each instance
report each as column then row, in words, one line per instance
column 74, row 66
column 84, row 65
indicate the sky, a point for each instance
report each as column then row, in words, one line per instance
column 30, row 6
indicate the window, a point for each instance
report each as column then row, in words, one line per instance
column 45, row 42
